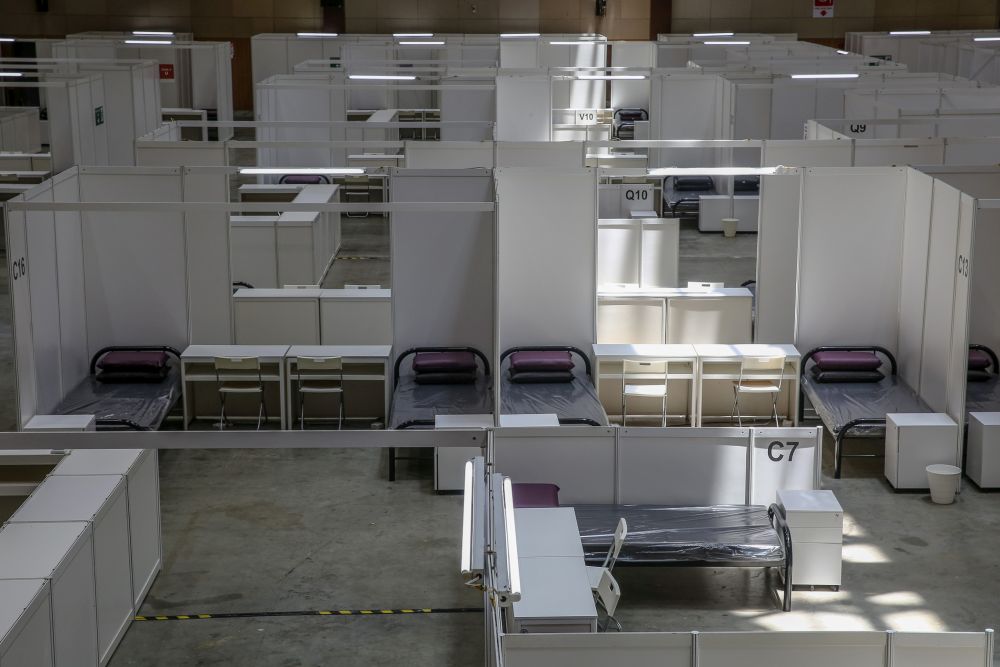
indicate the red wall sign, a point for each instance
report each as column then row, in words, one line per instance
column 822, row 9
column 166, row 71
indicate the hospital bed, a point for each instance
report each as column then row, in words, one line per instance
column 573, row 402
column 681, row 195
column 855, row 407
column 416, row 404
column 714, row 536
column 129, row 388
column 982, row 391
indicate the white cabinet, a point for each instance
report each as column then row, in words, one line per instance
column 25, row 623
column 914, row 441
column 142, row 480
column 983, row 461
column 63, row 554
column 816, row 522
column 101, row 502
column 63, row 423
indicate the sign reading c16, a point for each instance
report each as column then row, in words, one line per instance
column 18, row 269
column 777, row 450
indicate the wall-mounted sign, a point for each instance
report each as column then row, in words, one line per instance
column 822, row 9
column 98, row 115
column 166, row 71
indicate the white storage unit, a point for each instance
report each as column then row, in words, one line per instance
column 277, row 316
column 101, row 502
column 914, row 441
column 449, row 462
column 63, row 423
column 142, row 482
column 816, row 521
column 983, row 459
column 62, row 554
column 25, row 623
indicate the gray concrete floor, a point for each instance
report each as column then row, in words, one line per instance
column 280, row 530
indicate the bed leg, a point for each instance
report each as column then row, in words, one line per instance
column 838, row 450
column 392, row 464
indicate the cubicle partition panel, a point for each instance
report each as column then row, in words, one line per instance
column 442, row 263
column 290, row 99
column 524, row 106
column 857, row 302
column 687, row 106
column 546, row 257
column 984, row 304
column 20, row 131
column 460, row 101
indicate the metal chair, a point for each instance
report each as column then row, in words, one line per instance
column 316, row 375
column 239, row 375
column 759, row 375
column 644, row 390
column 607, row 594
column 595, row 572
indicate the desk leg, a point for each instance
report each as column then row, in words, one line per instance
column 793, row 388
column 699, row 371
column 287, row 384
column 282, row 412
column 387, row 392
column 185, row 396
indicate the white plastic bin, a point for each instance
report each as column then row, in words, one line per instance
column 943, row 480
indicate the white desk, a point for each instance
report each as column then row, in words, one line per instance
column 681, row 357
column 197, row 366
column 547, row 532
column 529, row 420
column 722, row 362
column 630, row 314
column 269, row 192
column 449, row 462
column 555, row 597
column 351, row 354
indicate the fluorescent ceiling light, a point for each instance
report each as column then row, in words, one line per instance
column 519, row 35
column 153, row 33
column 317, row 34
column 730, row 42
column 843, row 52
column 712, row 34
column 269, row 171
column 12, row 74
column 589, row 41
column 610, row 77
column 986, row 39
column 148, row 41
column 413, row 34
column 909, row 32
column 717, row 171
column 825, row 76
column 422, row 43
column 467, row 520
column 6, row 39
column 510, row 535
column 382, row 77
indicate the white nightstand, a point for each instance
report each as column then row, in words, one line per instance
column 983, row 461
column 914, row 441
column 61, row 423
column 816, row 522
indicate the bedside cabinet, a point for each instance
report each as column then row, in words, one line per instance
column 816, row 522
column 914, row 441
column 983, row 462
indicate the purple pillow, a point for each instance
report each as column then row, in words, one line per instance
column 979, row 360
column 121, row 361
column 541, row 360
column 847, row 360
column 535, row 495
column 444, row 362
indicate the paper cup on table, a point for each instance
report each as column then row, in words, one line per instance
column 729, row 227
column 943, row 480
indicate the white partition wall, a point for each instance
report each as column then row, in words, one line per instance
column 524, row 106
column 442, row 263
column 687, row 106
column 546, row 254
column 857, row 214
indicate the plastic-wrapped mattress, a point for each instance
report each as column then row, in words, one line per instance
column 983, row 396
column 423, row 402
column 731, row 535
column 567, row 400
column 837, row 403
column 144, row 404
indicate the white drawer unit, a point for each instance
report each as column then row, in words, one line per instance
column 25, row 623
column 983, row 456
column 142, row 479
column 62, row 554
column 914, row 441
column 816, row 522
column 101, row 502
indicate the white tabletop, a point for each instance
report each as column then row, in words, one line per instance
column 17, row 595
column 807, row 501
column 529, row 420
column 611, row 291
column 68, row 498
column 463, row 421
column 547, row 532
column 740, row 350
column 277, row 293
column 270, row 187
column 376, row 156
column 554, row 587
column 346, row 351
column 60, row 423
column 356, row 294
column 98, row 462
column 210, row 352
column 644, row 351
column 35, row 550
column 317, row 194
